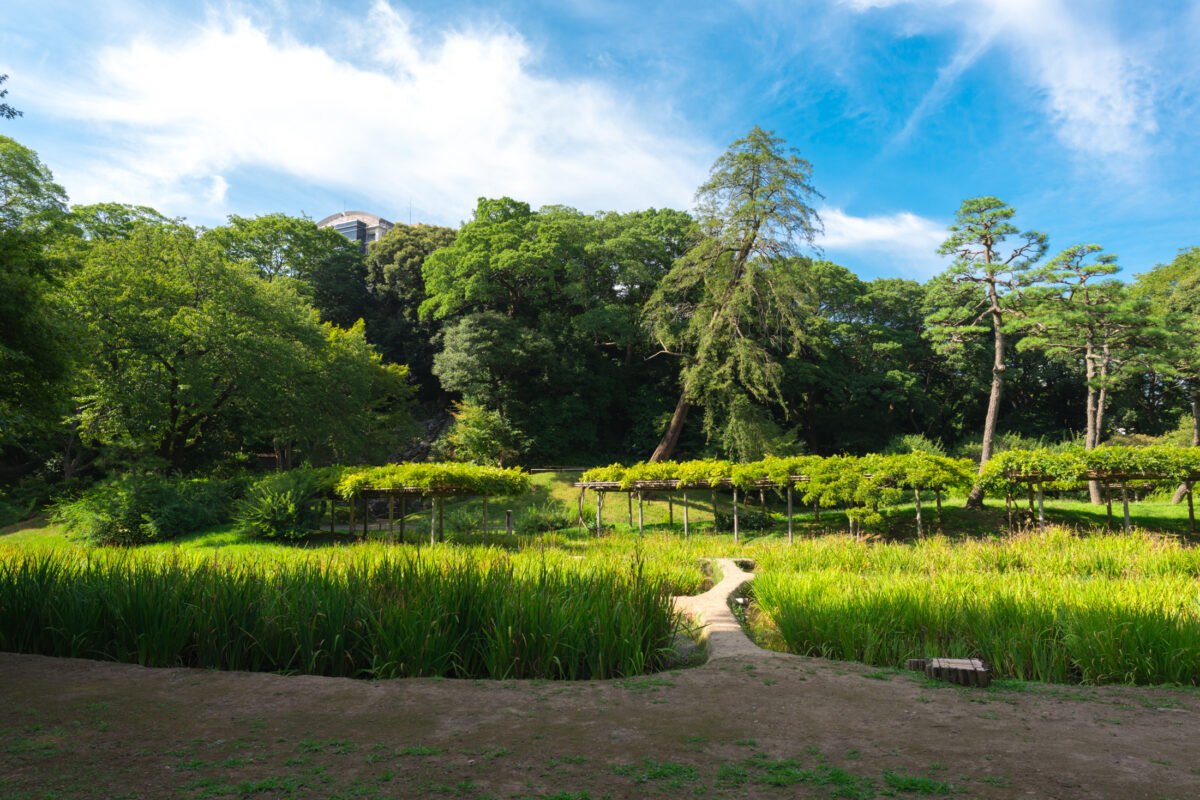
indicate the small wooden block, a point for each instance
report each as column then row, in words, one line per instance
column 916, row 664
column 963, row 671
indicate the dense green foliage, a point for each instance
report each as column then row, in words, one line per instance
column 1101, row 609
column 134, row 342
column 34, row 341
column 736, row 304
column 1068, row 467
column 460, row 478
column 284, row 505
column 137, row 509
column 358, row 613
column 481, row 436
column 867, row 481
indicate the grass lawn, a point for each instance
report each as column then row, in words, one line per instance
column 554, row 499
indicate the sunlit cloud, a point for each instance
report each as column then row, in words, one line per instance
column 903, row 243
column 442, row 120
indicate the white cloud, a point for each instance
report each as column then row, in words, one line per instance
column 1097, row 90
column 442, row 122
column 906, row 241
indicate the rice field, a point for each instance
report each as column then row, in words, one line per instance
column 1073, row 605
column 1059, row 608
column 364, row 612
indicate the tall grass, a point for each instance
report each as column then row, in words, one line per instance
column 358, row 612
column 1100, row 609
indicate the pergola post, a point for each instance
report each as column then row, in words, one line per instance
column 685, row 516
column 789, row 511
column 1108, row 503
column 1191, row 511
column 735, row 516
column 920, row 530
column 391, row 518
column 433, row 521
column 641, row 527
column 629, row 497
column 670, row 512
column 1125, row 503
column 1041, row 509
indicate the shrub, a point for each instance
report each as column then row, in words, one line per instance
column 285, row 505
column 748, row 520
column 9, row 512
column 553, row 515
column 913, row 443
column 482, row 436
column 137, row 509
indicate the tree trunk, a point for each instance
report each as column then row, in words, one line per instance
column 1182, row 491
column 667, row 445
column 975, row 498
column 1093, row 418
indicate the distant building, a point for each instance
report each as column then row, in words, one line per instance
column 358, row 226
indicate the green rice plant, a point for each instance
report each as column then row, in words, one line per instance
column 364, row 611
column 1063, row 624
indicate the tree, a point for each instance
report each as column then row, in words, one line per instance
column 541, row 314
column 100, row 221
column 1081, row 315
column 190, row 356
column 7, row 111
column 328, row 266
column 480, row 436
column 865, row 373
column 1174, row 290
column 395, row 292
column 34, row 342
column 493, row 361
column 508, row 259
column 981, row 292
column 735, row 305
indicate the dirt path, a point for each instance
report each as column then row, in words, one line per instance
column 749, row 723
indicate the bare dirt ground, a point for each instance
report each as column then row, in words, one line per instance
column 751, row 724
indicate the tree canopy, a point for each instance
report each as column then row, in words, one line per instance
column 736, row 303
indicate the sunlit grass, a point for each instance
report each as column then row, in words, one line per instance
column 1073, row 604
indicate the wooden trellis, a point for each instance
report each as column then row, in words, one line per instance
column 677, row 486
column 640, row 487
column 403, row 493
column 1108, row 480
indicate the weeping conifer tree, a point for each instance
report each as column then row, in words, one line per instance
column 734, row 306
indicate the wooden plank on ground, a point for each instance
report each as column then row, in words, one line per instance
column 963, row 671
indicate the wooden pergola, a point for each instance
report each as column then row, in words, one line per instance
column 1107, row 480
column 602, row 488
column 403, row 493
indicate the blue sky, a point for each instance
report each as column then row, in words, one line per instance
column 1082, row 115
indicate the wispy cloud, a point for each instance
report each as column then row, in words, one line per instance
column 1097, row 90
column 444, row 119
column 904, row 242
